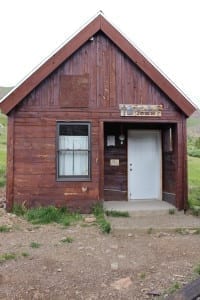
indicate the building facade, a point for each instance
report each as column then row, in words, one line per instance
column 97, row 121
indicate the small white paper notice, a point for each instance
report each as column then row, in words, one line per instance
column 114, row 162
column 110, row 140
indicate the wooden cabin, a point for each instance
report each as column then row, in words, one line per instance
column 96, row 121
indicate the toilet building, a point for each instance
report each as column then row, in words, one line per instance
column 96, row 121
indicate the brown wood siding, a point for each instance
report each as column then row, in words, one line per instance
column 113, row 80
column 10, row 162
column 35, row 166
column 115, row 177
column 169, row 168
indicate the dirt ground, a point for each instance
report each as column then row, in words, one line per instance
column 94, row 265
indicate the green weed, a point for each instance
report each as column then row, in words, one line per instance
column 197, row 231
column 115, row 213
column 25, row 254
column 194, row 181
column 19, row 209
column 104, row 225
column 175, row 286
column 197, row 269
column 35, row 245
column 7, row 256
column 50, row 214
column 150, row 230
column 171, row 211
column 180, row 231
column 67, row 240
column 5, row 228
column 195, row 211
column 142, row 275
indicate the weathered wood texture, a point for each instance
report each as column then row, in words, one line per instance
column 169, row 158
column 10, row 162
column 113, row 80
column 115, row 177
column 35, row 168
column 181, row 171
column 99, row 24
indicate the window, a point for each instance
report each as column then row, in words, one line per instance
column 73, row 151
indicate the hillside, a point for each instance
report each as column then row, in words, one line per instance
column 4, row 91
column 193, row 124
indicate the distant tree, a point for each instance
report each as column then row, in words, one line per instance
column 197, row 143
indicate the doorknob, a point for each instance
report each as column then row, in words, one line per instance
column 131, row 169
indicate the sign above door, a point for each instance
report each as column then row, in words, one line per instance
column 140, row 110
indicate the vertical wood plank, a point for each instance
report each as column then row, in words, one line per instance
column 92, row 70
column 112, row 75
column 185, row 173
column 10, row 162
column 101, row 160
column 179, row 167
column 99, row 76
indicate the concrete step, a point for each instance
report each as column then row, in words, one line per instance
column 136, row 208
column 177, row 223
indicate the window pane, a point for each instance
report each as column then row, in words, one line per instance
column 66, row 163
column 80, row 163
column 73, row 143
column 69, row 129
column 73, row 146
column 73, row 163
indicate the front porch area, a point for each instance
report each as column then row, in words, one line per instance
column 140, row 207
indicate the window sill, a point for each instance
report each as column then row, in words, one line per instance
column 70, row 179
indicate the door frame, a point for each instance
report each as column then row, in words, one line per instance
column 160, row 157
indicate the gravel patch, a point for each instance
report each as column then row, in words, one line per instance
column 93, row 265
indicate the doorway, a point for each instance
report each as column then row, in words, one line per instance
column 144, row 164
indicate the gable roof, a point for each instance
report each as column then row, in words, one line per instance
column 99, row 23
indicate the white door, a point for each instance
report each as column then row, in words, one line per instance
column 144, row 164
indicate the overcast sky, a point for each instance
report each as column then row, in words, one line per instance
column 167, row 31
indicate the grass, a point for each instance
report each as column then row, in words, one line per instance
column 19, row 210
column 171, row 211
column 150, row 230
column 195, row 211
column 197, row 269
column 116, row 214
column 5, row 228
column 11, row 255
column 142, row 275
column 99, row 213
column 67, row 240
column 7, row 256
column 25, row 254
column 181, row 231
column 194, row 181
column 46, row 215
column 35, row 245
column 174, row 287
column 49, row 214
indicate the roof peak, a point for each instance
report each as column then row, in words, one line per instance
column 98, row 23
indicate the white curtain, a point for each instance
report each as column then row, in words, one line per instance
column 73, row 162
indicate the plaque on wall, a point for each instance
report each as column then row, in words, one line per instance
column 114, row 162
column 140, row 110
column 74, row 90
